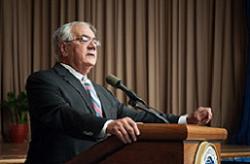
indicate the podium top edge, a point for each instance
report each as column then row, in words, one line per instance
column 161, row 131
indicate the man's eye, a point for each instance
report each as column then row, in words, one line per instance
column 85, row 39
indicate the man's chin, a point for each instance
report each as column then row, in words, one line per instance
column 90, row 64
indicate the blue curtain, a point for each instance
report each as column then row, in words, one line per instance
column 243, row 137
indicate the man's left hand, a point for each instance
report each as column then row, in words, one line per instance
column 202, row 116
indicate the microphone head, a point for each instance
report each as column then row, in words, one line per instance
column 113, row 80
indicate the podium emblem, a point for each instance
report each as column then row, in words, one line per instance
column 206, row 154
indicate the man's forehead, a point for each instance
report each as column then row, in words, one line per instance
column 81, row 29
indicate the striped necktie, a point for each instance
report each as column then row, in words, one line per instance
column 96, row 104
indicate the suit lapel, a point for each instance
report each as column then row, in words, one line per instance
column 75, row 83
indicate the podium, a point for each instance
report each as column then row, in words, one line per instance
column 160, row 143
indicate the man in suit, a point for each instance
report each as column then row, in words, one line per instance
column 69, row 113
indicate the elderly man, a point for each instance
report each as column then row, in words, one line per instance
column 69, row 113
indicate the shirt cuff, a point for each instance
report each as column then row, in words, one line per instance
column 183, row 119
column 103, row 131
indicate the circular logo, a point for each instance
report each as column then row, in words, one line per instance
column 206, row 154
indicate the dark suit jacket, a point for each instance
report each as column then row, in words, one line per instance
column 63, row 122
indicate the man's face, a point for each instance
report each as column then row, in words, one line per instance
column 81, row 52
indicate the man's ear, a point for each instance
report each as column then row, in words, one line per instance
column 64, row 49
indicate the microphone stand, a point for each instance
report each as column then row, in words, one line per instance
column 142, row 106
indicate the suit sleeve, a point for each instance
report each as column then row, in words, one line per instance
column 142, row 116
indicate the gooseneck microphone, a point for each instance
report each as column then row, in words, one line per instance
column 135, row 101
column 117, row 83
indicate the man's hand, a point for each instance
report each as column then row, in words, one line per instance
column 125, row 129
column 201, row 116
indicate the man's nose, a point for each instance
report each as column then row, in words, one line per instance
column 91, row 45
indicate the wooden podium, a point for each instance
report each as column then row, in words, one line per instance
column 158, row 143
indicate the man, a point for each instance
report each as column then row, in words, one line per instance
column 69, row 113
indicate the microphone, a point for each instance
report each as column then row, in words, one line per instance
column 117, row 83
column 135, row 101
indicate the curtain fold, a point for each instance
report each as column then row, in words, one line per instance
column 175, row 54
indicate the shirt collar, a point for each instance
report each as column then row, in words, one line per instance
column 78, row 75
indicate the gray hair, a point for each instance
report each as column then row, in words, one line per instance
column 63, row 34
